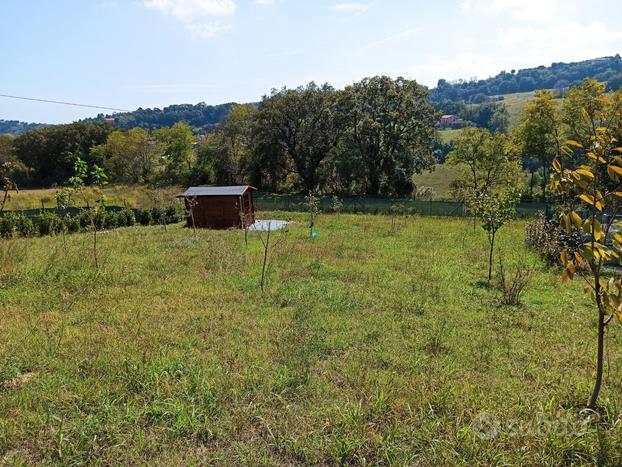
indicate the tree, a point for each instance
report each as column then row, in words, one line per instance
column 390, row 129
column 540, row 133
column 487, row 161
column 130, row 157
column 75, row 186
column 594, row 183
column 178, row 154
column 582, row 109
column 225, row 156
column 494, row 209
column 51, row 153
column 304, row 123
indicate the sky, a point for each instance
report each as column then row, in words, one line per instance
column 126, row 54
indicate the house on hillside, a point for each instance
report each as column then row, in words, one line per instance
column 448, row 121
column 219, row 207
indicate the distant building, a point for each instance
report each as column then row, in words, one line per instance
column 448, row 121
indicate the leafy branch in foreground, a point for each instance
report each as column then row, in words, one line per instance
column 595, row 183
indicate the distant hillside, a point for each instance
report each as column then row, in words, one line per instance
column 558, row 76
column 199, row 116
column 16, row 128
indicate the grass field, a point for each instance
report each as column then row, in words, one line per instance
column 440, row 179
column 118, row 195
column 371, row 345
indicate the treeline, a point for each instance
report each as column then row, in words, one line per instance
column 200, row 116
column 15, row 128
column 558, row 76
column 545, row 125
column 369, row 138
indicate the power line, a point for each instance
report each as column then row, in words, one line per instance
column 63, row 103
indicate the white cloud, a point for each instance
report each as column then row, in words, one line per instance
column 520, row 10
column 207, row 30
column 187, row 9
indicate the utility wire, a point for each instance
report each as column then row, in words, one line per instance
column 63, row 103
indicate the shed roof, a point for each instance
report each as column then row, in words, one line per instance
column 237, row 190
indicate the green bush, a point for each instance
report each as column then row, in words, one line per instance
column 72, row 223
column 130, row 217
column 173, row 216
column 84, row 219
column 111, row 219
column 146, row 217
column 24, row 226
column 157, row 215
column 8, row 225
column 545, row 237
column 49, row 223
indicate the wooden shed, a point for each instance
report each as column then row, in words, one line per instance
column 220, row 207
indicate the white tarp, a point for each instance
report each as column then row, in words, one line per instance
column 265, row 225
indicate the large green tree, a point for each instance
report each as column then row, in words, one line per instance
column 488, row 161
column 390, row 131
column 304, row 123
column 51, row 153
column 130, row 157
column 540, row 133
column 177, row 144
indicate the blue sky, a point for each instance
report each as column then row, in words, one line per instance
column 151, row 53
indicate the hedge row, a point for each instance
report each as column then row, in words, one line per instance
column 15, row 224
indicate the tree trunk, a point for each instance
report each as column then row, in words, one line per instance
column 265, row 259
column 490, row 255
column 599, row 360
column 544, row 181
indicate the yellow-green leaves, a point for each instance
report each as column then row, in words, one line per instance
column 596, row 201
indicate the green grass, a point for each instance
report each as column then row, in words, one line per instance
column 447, row 136
column 515, row 103
column 440, row 179
column 117, row 195
column 368, row 347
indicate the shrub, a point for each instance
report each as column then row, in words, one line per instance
column 126, row 218
column 84, row 219
column 111, row 219
column 146, row 217
column 157, row 215
column 545, row 237
column 49, row 223
column 512, row 286
column 99, row 218
column 72, row 223
column 173, row 215
column 8, row 225
column 24, row 226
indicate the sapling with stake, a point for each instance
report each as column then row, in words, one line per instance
column 267, row 248
column 190, row 203
column 75, row 185
column 7, row 184
column 312, row 203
